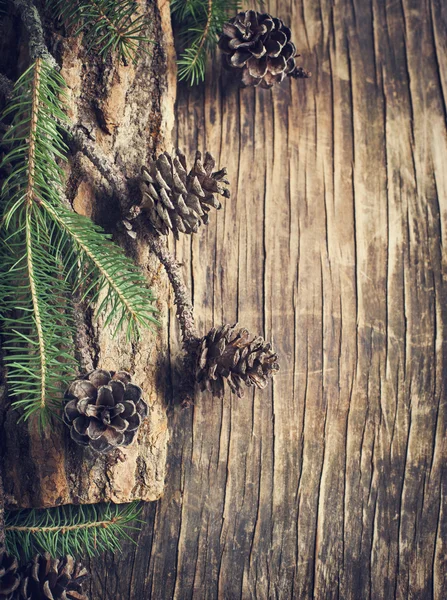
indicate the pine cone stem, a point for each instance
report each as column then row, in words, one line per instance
column 185, row 310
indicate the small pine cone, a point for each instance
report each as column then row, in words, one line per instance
column 104, row 410
column 179, row 202
column 231, row 353
column 48, row 578
column 259, row 47
column 9, row 576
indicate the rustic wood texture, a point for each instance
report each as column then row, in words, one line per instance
column 129, row 115
column 332, row 482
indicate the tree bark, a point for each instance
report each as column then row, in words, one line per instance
column 332, row 483
column 125, row 112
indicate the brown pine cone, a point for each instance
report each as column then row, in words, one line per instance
column 176, row 201
column 104, row 410
column 231, row 353
column 48, row 578
column 259, row 47
column 9, row 576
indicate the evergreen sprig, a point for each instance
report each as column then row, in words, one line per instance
column 33, row 292
column 198, row 25
column 76, row 530
column 107, row 25
column 46, row 251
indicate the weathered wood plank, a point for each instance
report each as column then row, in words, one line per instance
column 331, row 483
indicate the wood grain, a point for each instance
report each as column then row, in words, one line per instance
column 332, row 482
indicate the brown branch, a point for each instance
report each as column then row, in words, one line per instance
column 117, row 181
column 33, row 24
column 83, row 143
column 185, row 311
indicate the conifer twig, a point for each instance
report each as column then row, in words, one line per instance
column 99, row 160
column 33, row 24
column 84, row 529
column 185, row 311
column 185, row 316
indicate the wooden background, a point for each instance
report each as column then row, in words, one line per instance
column 332, row 483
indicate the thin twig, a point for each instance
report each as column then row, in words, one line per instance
column 64, row 528
column 33, row 24
column 204, row 34
column 99, row 159
column 185, row 311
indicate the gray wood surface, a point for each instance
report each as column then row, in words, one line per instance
column 332, row 482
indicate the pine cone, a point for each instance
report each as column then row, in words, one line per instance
column 259, row 46
column 9, row 576
column 230, row 352
column 48, row 578
column 177, row 201
column 104, row 410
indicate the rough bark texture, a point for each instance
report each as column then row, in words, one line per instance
column 127, row 111
column 332, row 483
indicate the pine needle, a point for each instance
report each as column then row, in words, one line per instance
column 76, row 530
column 34, row 297
column 127, row 302
column 107, row 25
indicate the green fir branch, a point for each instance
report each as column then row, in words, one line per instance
column 120, row 287
column 76, row 530
column 107, row 25
column 198, row 24
column 33, row 293
column 47, row 251
column 37, row 327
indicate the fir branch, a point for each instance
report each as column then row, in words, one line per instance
column 33, row 24
column 192, row 63
column 108, row 25
column 198, row 24
column 33, row 294
column 75, row 530
column 126, row 301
